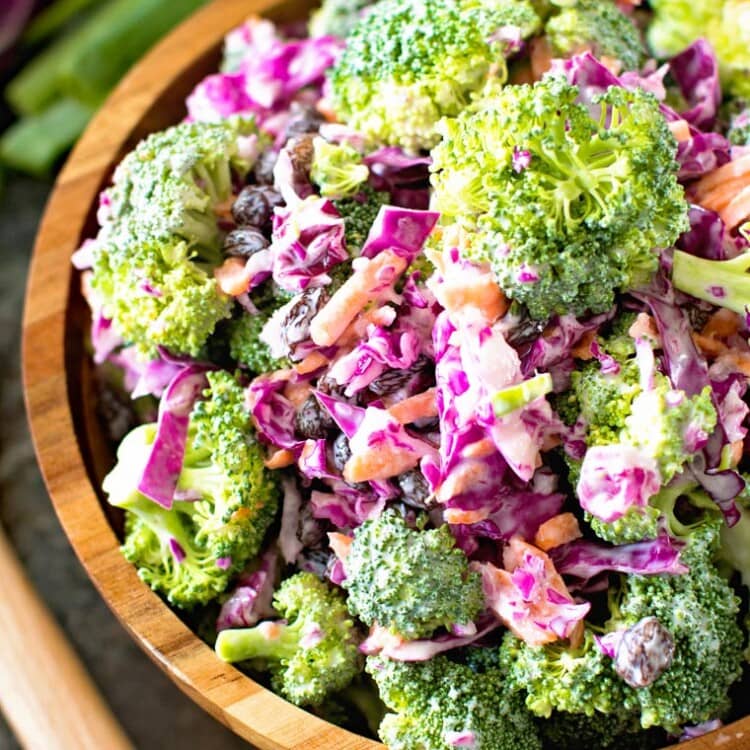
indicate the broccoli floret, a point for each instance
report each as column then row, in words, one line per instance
column 558, row 677
column 438, row 702
column 337, row 17
column 222, row 529
column 337, row 169
column 224, row 464
column 599, row 27
column 409, row 581
column 563, row 731
column 724, row 283
column 156, row 294
column 699, row 609
column 159, row 238
column 677, row 23
column 568, row 207
column 407, row 64
column 312, row 653
column 172, row 181
column 359, row 213
column 162, row 543
column 246, row 347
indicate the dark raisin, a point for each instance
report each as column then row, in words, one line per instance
column 416, row 491
column 296, row 326
column 312, row 420
column 331, row 388
column 341, row 451
column 526, row 331
column 263, row 170
column 393, row 380
column 254, row 206
column 697, row 316
column 301, row 150
column 302, row 119
column 244, row 242
column 644, row 653
column 318, row 561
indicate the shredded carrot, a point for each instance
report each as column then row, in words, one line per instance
column 722, row 324
column 380, row 463
column 421, row 406
column 480, row 449
column 297, row 392
column 582, row 350
column 325, row 108
column 310, row 363
column 360, row 288
column 279, row 459
column 558, row 530
column 737, row 210
column 644, row 326
column 458, row 516
column 540, row 53
column 232, row 277
column 340, row 544
column 481, row 293
column 680, row 130
column 709, row 345
column 737, row 169
column 720, row 197
column 739, row 361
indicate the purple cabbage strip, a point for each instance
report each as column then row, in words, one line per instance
column 584, row 560
column 403, row 230
column 701, row 153
column 346, row 507
column 696, row 72
column 13, row 17
column 250, row 599
column 707, row 236
column 272, row 411
column 159, row 478
column 394, row 171
column 423, row 650
column 347, row 416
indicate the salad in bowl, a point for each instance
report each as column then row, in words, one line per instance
column 424, row 341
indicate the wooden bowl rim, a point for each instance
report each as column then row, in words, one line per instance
column 249, row 709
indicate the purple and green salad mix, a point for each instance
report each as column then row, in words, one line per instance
column 425, row 339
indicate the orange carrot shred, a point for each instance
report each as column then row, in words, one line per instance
column 421, row 406
column 558, row 530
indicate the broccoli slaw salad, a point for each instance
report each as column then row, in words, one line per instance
column 424, row 340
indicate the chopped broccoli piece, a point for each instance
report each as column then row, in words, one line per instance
column 156, row 294
column 599, row 27
column 579, row 218
column 699, row 609
column 407, row 64
column 246, row 347
column 337, row 17
column 409, row 581
column 190, row 552
column 513, row 397
column 312, row 652
column 724, row 283
column 438, row 702
column 359, row 213
column 337, row 169
column 159, row 238
column 558, row 677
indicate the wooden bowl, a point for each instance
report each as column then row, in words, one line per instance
column 70, row 444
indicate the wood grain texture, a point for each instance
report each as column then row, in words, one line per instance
column 45, row 693
column 68, row 444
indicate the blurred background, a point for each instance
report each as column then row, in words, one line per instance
column 58, row 62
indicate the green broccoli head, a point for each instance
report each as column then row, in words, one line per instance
column 699, row 610
column 246, row 347
column 409, row 581
column 566, row 208
column 312, row 653
column 337, row 169
column 359, row 213
column 559, row 677
column 563, row 731
column 172, row 181
column 163, row 544
column 438, row 702
column 224, row 465
column 599, row 27
column 407, row 64
column 337, row 17
column 156, row 294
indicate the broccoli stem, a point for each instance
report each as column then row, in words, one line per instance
column 269, row 640
column 724, row 283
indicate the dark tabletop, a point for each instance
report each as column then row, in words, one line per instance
column 154, row 713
